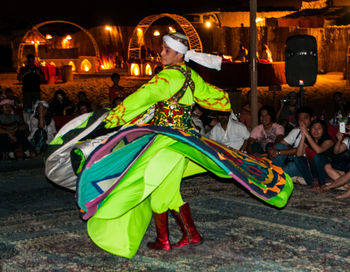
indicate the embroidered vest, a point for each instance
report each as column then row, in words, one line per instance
column 171, row 113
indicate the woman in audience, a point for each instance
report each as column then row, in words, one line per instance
column 12, row 132
column 41, row 127
column 316, row 145
column 61, row 105
column 265, row 135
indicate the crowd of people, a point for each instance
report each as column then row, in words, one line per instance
column 26, row 128
column 309, row 148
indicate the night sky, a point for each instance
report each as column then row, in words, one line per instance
column 19, row 14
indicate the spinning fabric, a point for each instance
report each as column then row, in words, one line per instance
column 118, row 178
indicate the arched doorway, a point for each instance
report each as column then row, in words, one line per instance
column 134, row 48
column 34, row 29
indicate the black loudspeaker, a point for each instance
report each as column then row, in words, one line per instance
column 301, row 60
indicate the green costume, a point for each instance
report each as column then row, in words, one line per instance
column 139, row 170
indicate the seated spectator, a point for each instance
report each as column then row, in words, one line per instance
column 42, row 128
column 82, row 99
column 286, row 113
column 197, row 114
column 116, row 91
column 229, row 131
column 61, row 105
column 339, row 166
column 282, row 154
column 105, row 104
column 12, row 132
column 10, row 95
column 245, row 116
column 339, row 108
column 116, row 102
column 313, row 153
column 340, row 181
column 265, row 135
column 266, row 55
column 82, row 108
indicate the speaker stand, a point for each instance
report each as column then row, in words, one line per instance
column 301, row 95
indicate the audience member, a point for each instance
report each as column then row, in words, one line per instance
column 116, row 91
column 245, row 116
column 286, row 113
column 82, row 99
column 283, row 154
column 242, row 53
column 116, row 102
column 12, row 132
column 316, row 145
column 61, row 105
column 31, row 77
column 339, row 167
column 105, row 104
column 82, row 108
column 10, row 95
column 340, row 108
column 41, row 127
column 229, row 131
column 266, row 55
column 265, row 135
column 197, row 114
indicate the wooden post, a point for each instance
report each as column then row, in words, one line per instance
column 253, row 64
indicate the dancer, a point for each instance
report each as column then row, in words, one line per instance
column 137, row 171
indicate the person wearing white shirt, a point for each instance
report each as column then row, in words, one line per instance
column 230, row 132
column 42, row 127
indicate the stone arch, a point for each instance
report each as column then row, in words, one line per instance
column 134, row 48
column 35, row 29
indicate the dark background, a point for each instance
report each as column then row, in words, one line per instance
column 20, row 14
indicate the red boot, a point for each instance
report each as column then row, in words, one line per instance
column 185, row 221
column 162, row 241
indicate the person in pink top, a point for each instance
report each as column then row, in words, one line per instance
column 266, row 134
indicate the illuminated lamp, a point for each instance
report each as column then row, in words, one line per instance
column 148, row 70
column 68, row 37
column 208, row 24
column 108, row 28
column 48, row 37
column 85, row 65
column 156, row 33
column 171, row 29
column 71, row 63
column 135, row 69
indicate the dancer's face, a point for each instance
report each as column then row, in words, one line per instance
column 170, row 56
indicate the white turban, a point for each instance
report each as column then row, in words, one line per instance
column 207, row 60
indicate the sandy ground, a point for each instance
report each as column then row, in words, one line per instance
column 96, row 86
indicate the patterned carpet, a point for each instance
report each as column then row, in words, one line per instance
column 40, row 230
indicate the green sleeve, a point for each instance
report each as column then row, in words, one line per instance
column 209, row 96
column 159, row 88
